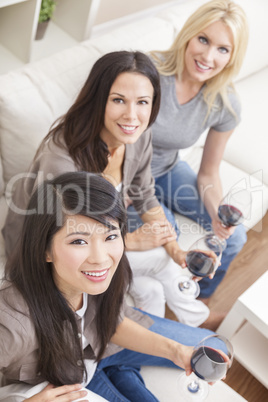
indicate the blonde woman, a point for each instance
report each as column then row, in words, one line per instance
column 197, row 94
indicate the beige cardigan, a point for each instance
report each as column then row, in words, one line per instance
column 53, row 160
column 19, row 344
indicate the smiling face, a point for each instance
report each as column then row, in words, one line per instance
column 208, row 53
column 85, row 255
column 128, row 109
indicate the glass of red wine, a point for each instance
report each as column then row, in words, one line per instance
column 210, row 361
column 202, row 260
column 234, row 208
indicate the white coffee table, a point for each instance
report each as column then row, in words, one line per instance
column 246, row 325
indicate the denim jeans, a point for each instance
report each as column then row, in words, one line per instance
column 177, row 190
column 117, row 377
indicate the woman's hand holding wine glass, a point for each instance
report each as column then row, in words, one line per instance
column 233, row 210
column 203, row 258
column 210, row 361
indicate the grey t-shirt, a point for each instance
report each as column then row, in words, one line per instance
column 179, row 126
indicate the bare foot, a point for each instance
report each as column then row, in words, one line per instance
column 214, row 320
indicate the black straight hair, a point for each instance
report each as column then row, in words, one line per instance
column 74, row 193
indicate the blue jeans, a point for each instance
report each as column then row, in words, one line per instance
column 177, row 190
column 117, row 377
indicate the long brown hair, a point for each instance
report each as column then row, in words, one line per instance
column 54, row 320
column 82, row 124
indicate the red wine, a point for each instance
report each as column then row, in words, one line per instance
column 204, row 363
column 199, row 264
column 230, row 215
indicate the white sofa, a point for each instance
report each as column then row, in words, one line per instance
column 32, row 97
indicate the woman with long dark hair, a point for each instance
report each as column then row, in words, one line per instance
column 104, row 131
column 62, row 316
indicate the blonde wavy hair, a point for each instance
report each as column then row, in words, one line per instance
column 171, row 61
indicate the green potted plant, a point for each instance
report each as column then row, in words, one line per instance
column 46, row 12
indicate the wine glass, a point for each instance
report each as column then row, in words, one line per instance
column 234, row 208
column 210, row 361
column 201, row 263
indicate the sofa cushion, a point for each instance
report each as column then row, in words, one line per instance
column 22, row 391
column 248, row 146
column 144, row 35
column 163, row 382
column 178, row 14
column 255, row 59
column 32, row 98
